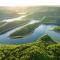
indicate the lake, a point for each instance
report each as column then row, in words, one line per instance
column 38, row 32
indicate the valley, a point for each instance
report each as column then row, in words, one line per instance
column 30, row 33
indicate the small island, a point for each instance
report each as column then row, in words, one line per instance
column 56, row 28
column 27, row 30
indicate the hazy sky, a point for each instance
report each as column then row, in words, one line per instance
column 28, row 2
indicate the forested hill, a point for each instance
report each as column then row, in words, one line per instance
column 43, row 49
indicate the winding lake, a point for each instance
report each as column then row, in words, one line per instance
column 38, row 32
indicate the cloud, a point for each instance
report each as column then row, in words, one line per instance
column 28, row 2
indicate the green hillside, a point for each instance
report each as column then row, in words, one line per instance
column 43, row 49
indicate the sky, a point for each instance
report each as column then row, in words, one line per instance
column 28, row 2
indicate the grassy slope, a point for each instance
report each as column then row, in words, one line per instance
column 43, row 49
column 11, row 25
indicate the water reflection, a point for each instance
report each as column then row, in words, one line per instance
column 38, row 32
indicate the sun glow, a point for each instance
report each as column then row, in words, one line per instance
column 28, row 2
column 15, row 2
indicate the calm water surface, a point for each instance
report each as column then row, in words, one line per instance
column 38, row 32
